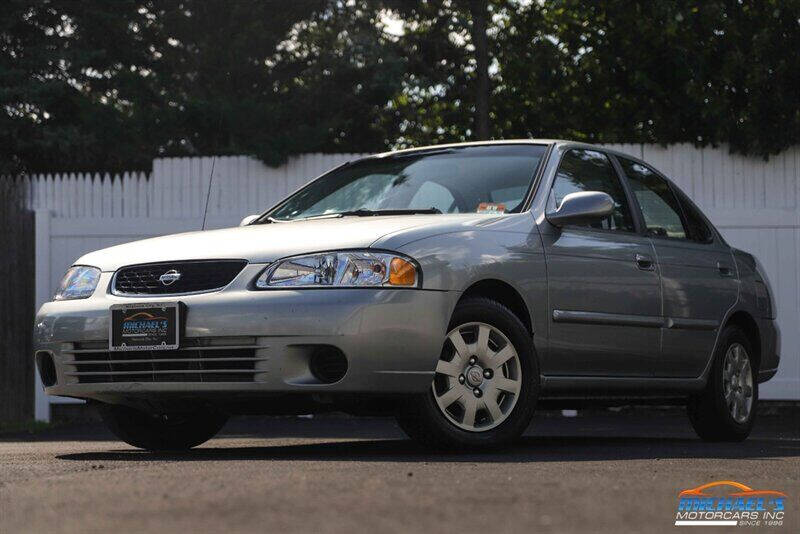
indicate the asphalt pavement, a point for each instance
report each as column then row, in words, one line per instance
column 602, row 472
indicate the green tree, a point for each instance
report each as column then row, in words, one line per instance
column 446, row 93
column 273, row 79
column 680, row 71
column 99, row 85
column 66, row 90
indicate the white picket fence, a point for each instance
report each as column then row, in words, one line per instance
column 177, row 188
column 755, row 203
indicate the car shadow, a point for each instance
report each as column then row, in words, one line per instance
column 528, row 449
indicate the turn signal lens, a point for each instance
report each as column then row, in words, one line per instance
column 402, row 273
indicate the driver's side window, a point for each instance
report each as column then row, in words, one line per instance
column 590, row 170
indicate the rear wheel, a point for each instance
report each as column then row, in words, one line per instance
column 486, row 383
column 725, row 410
column 174, row 432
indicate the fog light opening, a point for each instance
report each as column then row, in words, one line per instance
column 46, row 367
column 327, row 364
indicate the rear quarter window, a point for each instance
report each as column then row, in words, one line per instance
column 696, row 225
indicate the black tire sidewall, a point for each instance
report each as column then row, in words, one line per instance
column 145, row 431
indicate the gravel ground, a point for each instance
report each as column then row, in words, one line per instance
column 604, row 472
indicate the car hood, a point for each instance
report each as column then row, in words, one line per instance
column 264, row 243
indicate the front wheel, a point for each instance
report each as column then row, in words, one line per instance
column 484, row 391
column 175, row 432
column 725, row 410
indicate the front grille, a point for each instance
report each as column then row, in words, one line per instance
column 198, row 360
column 195, row 276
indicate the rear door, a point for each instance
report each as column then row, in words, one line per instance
column 603, row 286
column 698, row 275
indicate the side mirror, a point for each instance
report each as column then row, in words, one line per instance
column 247, row 220
column 581, row 208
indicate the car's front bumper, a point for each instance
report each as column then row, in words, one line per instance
column 391, row 338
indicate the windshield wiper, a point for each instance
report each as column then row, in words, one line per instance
column 375, row 213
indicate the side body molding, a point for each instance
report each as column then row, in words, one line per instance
column 586, row 317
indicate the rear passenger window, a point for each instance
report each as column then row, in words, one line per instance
column 660, row 208
column 589, row 170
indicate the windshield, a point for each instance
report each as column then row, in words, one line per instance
column 475, row 179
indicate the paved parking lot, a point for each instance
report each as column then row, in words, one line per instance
column 599, row 473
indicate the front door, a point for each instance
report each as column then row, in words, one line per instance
column 697, row 272
column 603, row 283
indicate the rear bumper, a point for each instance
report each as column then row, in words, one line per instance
column 770, row 349
column 391, row 339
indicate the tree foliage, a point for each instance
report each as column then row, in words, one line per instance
column 683, row 71
column 98, row 85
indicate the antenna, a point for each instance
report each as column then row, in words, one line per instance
column 208, row 193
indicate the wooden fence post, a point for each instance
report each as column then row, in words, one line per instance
column 42, row 404
column 16, row 301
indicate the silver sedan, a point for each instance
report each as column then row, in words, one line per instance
column 452, row 286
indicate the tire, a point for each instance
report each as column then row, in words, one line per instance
column 160, row 433
column 512, row 388
column 712, row 416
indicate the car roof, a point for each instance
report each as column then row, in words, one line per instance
column 528, row 141
column 468, row 144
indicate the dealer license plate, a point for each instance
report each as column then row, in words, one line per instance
column 146, row 326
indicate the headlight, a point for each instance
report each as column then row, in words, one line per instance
column 79, row 283
column 342, row 269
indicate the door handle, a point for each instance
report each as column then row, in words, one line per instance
column 724, row 270
column 645, row 263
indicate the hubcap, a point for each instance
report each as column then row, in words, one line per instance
column 478, row 377
column 737, row 383
column 475, row 375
